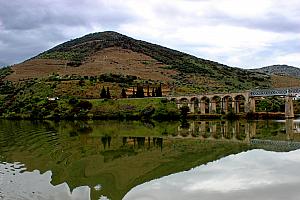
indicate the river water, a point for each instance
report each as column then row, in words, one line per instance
column 145, row 160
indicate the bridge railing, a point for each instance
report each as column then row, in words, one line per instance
column 275, row 92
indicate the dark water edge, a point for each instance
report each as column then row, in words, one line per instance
column 121, row 155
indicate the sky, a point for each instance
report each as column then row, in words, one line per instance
column 238, row 33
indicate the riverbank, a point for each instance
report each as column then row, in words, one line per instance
column 71, row 108
column 159, row 109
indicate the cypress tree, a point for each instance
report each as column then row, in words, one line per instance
column 140, row 92
column 123, row 93
column 159, row 91
column 103, row 93
column 108, row 93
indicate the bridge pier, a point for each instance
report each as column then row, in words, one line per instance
column 236, row 106
column 202, row 106
column 252, row 104
column 289, row 128
column 289, row 108
column 213, row 107
column 192, row 107
column 225, row 105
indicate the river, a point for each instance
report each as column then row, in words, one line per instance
column 149, row 160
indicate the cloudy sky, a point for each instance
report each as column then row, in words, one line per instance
column 241, row 33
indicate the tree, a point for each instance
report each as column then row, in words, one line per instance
column 184, row 112
column 123, row 93
column 140, row 92
column 158, row 91
column 153, row 92
column 103, row 93
column 108, row 93
column 133, row 93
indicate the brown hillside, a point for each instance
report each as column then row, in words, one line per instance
column 284, row 81
column 109, row 60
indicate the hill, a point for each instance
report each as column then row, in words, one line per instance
column 281, row 70
column 114, row 53
column 76, row 71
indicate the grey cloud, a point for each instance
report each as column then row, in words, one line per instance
column 27, row 28
column 34, row 14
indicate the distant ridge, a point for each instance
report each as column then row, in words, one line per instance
column 284, row 70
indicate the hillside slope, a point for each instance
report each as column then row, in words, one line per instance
column 284, row 70
column 111, row 52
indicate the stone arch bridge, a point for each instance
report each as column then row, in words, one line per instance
column 238, row 102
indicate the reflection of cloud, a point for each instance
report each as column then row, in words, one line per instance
column 256, row 174
column 33, row 185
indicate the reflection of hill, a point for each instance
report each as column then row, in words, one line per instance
column 123, row 164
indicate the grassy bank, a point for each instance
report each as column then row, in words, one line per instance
column 71, row 108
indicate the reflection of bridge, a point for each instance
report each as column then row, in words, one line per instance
column 275, row 145
column 237, row 102
column 244, row 132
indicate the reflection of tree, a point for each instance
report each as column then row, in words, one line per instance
column 124, row 140
column 82, row 128
column 184, row 112
column 73, row 134
column 149, row 142
column 106, row 140
column 159, row 142
column 141, row 142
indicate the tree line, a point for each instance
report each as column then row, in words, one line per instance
column 137, row 92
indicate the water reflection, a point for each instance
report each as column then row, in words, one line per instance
column 17, row 183
column 240, row 130
column 111, row 157
column 252, row 175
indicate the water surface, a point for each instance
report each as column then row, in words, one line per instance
column 106, row 159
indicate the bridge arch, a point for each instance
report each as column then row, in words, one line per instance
column 216, row 104
column 204, row 105
column 195, row 102
column 240, row 103
column 227, row 102
column 174, row 100
column 184, row 100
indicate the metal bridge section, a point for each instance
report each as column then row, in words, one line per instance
column 275, row 92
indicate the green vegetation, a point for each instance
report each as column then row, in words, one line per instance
column 36, row 99
column 60, row 55
column 158, row 109
column 5, row 71
column 271, row 104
